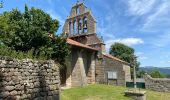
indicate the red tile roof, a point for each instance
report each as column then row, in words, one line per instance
column 75, row 43
column 114, row 58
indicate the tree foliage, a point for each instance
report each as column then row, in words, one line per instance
column 141, row 73
column 125, row 53
column 30, row 31
column 157, row 74
column 167, row 76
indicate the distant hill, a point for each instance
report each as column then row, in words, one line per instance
column 163, row 70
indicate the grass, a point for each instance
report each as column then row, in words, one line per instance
column 106, row 92
column 152, row 95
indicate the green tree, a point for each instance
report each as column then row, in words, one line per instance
column 125, row 53
column 156, row 74
column 30, row 31
column 27, row 30
column 141, row 73
column 168, row 76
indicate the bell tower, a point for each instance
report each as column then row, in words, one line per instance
column 80, row 26
column 80, row 21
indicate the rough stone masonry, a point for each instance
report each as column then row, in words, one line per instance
column 28, row 80
column 157, row 84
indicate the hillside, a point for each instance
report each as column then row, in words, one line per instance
column 163, row 70
column 106, row 92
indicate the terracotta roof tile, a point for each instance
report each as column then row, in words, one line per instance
column 112, row 57
column 75, row 43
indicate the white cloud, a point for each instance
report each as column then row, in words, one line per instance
column 105, row 30
column 162, row 40
column 164, row 62
column 126, row 41
column 140, row 7
column 130, row 41
column 157, row 20
column 160, row 17
column 141, row 55
column 54, row 15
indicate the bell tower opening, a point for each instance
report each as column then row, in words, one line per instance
column 75, row 27
column 70, row 27
column 80, row 26
column 77, row 11
column 85, row 29
column 80, row 21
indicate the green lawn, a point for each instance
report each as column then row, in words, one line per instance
column 106, row 92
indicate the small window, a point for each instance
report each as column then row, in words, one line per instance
column 112, row 75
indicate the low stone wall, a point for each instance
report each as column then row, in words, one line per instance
column 28, row 80
column 157, row 84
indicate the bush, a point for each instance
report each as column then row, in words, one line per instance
column 6, row 51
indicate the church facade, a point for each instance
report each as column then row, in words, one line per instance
column 88, row 62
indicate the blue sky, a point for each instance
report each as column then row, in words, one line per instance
column 141, row 24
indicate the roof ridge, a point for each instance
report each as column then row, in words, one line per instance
column 75, row 43
column 115, row 58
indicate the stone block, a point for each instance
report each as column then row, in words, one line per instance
column 4, row 94
column 13, row 93
column 9, row 88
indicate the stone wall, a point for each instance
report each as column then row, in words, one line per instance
column 81, row 67
column 157, row 84
column 28, row 80
column 115, row 66
column 100, row 71
column 106, row 65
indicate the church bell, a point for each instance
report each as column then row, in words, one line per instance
column 79, row 26
column 85, row 25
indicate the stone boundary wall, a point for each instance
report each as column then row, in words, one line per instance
column 28, row 80
column 157, row 84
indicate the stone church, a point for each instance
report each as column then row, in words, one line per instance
column 88, row 62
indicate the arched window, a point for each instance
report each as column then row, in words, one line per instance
column 85, row 29
column 70, row 27
column 75, row 27
column 80, row 26
column 77, row 11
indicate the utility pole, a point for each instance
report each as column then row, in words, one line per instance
column 134, row 71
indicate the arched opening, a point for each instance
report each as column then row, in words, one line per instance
column 80, row 26
column 85, row 29
column 77, row 11
column 75, row 27
column 70, row 27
